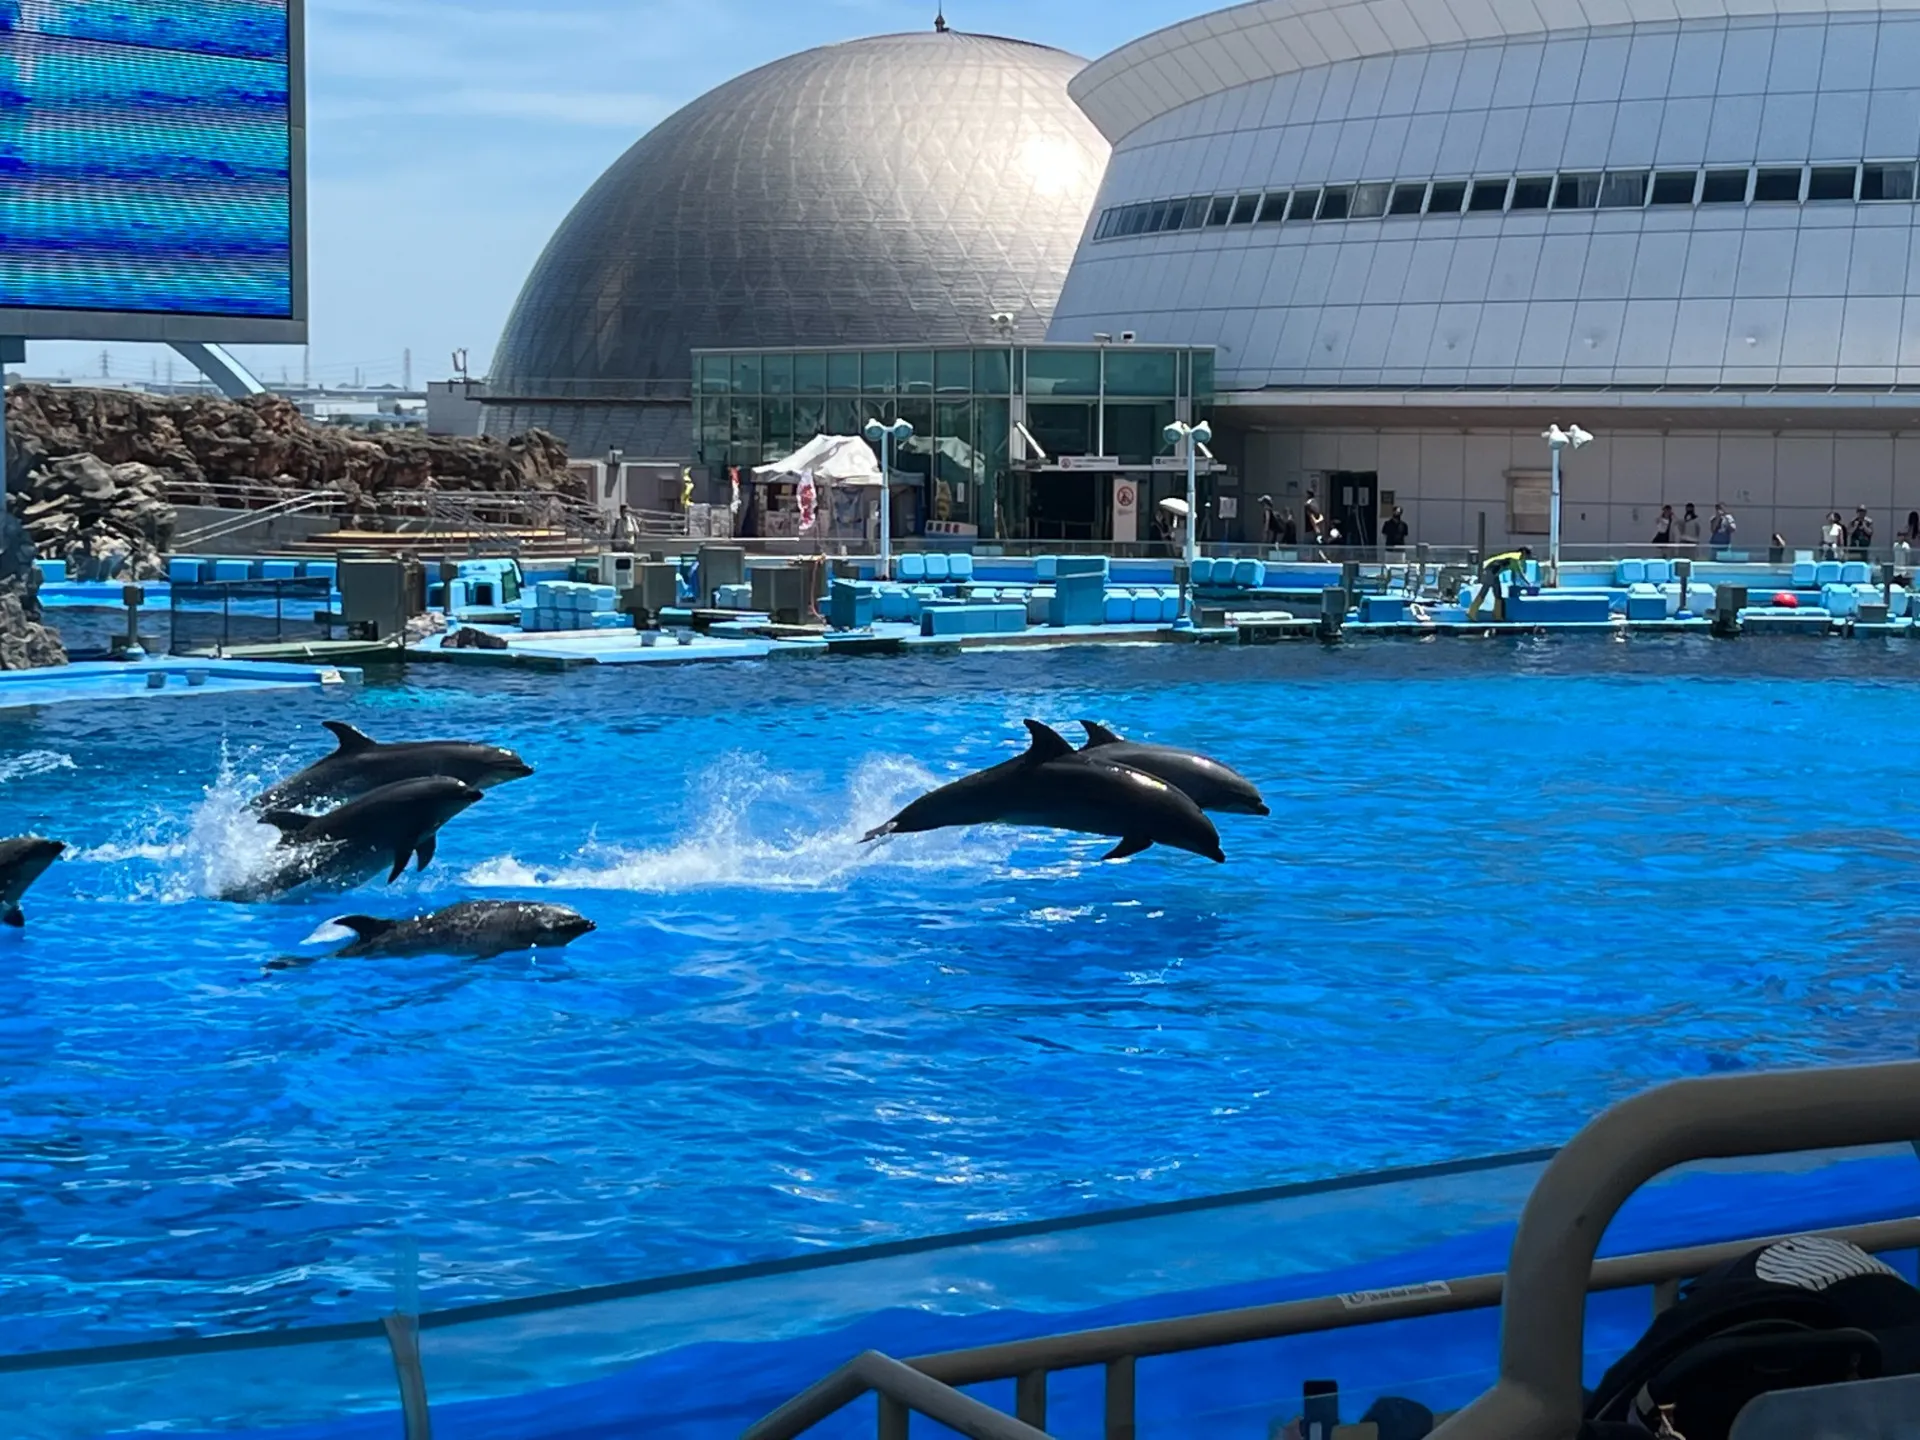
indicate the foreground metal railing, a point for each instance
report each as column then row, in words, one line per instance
column 302, row 504
column 1543, row 1291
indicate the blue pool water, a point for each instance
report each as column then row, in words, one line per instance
column 1503, row 885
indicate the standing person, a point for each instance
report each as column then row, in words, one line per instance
column 1394, row 532
column 1289, row 530
column 1690, row 529
column 1720, row 532
column 1663, row 527
column 1912, row 533
column 1860, row 534
column 1269, row 523
column 1833, row 535
column 1315, row 522
column 1777, row 549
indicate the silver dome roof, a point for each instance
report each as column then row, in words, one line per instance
column 895, row 190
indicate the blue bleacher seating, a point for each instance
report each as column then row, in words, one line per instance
column 1659, row 572
column 1118, row 607
column 279, row 569
column 1805, row 574
column 1630, row 572
column 910, row 569
column 1827, row 572
column 1839, row 600
column 1146, row 607
column 183, row 570
column 1169, row 606
column 1248, row 574
column 1646, row 602
column 1202, row 573
column 1855, row 572
column 227, row 570
column 960, row 568
column 937, row 568
column 1046, row 568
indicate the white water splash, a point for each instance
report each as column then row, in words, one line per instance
column 754, row 828
column 34, row 762
column 220, row 846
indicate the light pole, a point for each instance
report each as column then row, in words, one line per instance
column 886, row 437
column 1193, row 437
column 1558, row 440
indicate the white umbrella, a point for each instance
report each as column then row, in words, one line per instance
column 1176, row 506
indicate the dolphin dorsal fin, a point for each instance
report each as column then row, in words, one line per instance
column 350, row 739
column 1098, row 734
column 365, row 926
column 1048, row 743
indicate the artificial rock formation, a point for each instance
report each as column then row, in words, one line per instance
column 204, row 450
column 25, row 642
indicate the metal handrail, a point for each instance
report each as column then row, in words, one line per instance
column 1552, row 1269
column 902, row 1388
column 233, row 524
column 1538, row 1396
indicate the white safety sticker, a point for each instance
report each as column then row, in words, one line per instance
column 1366, row 1299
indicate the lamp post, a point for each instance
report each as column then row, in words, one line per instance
column 1558, row 440
column 886, row 437
column 1192, row 437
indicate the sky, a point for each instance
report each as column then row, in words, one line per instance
column 447, row 139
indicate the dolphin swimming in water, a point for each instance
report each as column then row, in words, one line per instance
column 1208, row 783
column 361, row 764
column 344, row 847
column 23, row 860
column 472, row 930
column 1055, row 787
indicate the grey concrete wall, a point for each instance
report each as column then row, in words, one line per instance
column 266, row 538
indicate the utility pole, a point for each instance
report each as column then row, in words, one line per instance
column 406, row 369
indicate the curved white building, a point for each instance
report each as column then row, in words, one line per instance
column 1417, row 232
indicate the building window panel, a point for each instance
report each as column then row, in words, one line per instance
column 1777, row 185
column 1676, row 187
column 1196, row 213
column 878, row 375
column 746, row 374
column 1832, row 182
column 776, row 374
column 1273, row 207
column 1886, row 182
column 1623, row 190
column 1369, row 201
column 1532, row 192
column 1335, row 201
column 1157, row 219
column 1407, row 199
column 1724, row 187
column 1221, row 211
column 1305, row 202
column 953, row 372
column 1576, row 192
column 1446, row 197
column 1244, row 208
column 916, row 372
column 843, row 374
column 1488, row 195
column 810, row 374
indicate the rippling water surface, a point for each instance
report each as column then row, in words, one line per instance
column 1502, row 886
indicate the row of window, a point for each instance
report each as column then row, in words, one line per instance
column 1583, row 190
column 1119, row 370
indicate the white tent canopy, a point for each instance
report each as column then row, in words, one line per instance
column 830, row 459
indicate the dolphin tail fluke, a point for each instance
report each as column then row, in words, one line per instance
column 400, row 859
column 1132, row 845
column 879, row 832
column 425, row 850
column 15, row 917
column 350, row 739
column 1098, row 734
column 288, row 822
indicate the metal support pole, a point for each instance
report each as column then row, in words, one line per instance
column 886, row 503
column 12, row 352
column 1553, row 526
column 1193, row 508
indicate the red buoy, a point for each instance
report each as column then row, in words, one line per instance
column 1786, row 600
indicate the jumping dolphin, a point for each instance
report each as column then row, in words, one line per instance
column 361, row 764
column 472, row 930
column 23, row 860
column 1054, row 787
column 1208, row 783
column 344, row 847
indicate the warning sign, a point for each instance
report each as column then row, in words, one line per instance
column 1123, row 497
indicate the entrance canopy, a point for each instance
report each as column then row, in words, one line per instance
column 829, row 459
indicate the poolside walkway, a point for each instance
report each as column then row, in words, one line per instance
column 146, row 679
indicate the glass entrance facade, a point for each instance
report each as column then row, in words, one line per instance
column 967, row 408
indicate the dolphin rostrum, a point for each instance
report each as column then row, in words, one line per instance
column 1208, row 783
column 472, row 930
column 361, row 764
column 386, row 827
column 1057, row 788
column 23, row 860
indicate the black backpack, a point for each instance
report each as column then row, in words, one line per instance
column 1800, row 1312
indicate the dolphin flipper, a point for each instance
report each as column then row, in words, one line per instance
column 425, row 850
column 1048, row 744
column 1132, row 845
column 350, row 739
column 400, row 859
column 1098, row 734
column 15, row 917
column 880, row 832
column 364, row 927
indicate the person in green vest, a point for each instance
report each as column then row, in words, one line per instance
column 1492, row 575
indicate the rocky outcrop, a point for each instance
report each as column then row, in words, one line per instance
column 203, row 450
column 105, row 521
column 25, row 642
